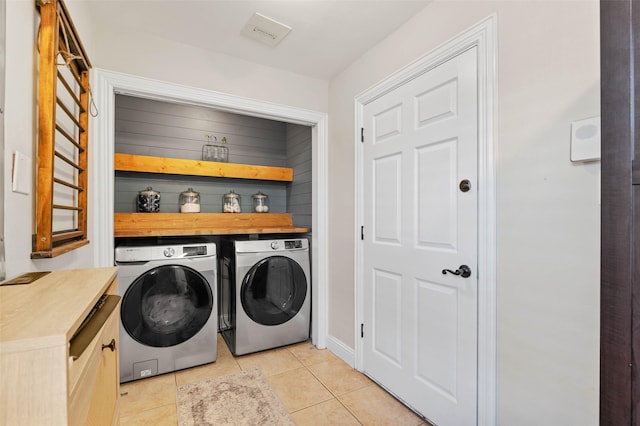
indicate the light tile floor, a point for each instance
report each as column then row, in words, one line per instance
column 317, row 388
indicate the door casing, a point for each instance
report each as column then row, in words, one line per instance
column 484, row 36
column 3, row 20
column 620, row 220
column 106, row 84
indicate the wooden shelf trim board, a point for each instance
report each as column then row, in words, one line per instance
column 176, row 166
column 179, row 224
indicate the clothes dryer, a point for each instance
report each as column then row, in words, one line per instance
column 265, row 293
column 169, row 318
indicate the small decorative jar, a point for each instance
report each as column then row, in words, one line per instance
column 215, row 152
column 231, row 203
column 148, row 201
column 260, row 202
column 189, row 201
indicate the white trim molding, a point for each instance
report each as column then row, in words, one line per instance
column 483, row 36
column 341, row 350
column 106, row 84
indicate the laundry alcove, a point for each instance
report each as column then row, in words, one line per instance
column 107, row 85
column 163, row 129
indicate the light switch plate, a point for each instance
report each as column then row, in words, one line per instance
column 21, row 177
column 585, row 139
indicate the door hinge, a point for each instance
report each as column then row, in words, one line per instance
column 361, row 330
column 362, row 233
column 361, row 134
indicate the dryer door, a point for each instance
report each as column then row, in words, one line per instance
column 166, row 306
column 274, row 290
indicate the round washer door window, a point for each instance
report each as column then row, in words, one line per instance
column 274, row 290
column 166, row 306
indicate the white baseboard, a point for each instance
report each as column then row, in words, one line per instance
column 341, row 350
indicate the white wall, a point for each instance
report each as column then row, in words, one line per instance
column 22, row 23
column 132, row 53
column 548, row 212
column 118, row 49
column 548, row 216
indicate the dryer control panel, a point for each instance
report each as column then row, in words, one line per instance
column 266, row 246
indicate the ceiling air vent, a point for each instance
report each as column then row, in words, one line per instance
column 265, row 30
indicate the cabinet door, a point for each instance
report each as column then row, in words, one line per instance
column 103, row 408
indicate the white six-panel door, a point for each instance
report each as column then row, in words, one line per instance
column 420, row 325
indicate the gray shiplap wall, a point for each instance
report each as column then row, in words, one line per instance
column 149, row 127
column 211, row 191
column 162, row 129
column 299, row 201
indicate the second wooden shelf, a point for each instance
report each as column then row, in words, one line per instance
column 178, row 166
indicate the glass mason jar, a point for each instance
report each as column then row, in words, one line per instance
column 189, row 201
column 148, row 201
column 260, row 202
column 231, row 203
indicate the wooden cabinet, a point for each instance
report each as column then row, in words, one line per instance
column 104, row 396
column 166, row 224
column 57, row 368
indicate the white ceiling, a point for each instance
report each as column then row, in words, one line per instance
column 327, row 35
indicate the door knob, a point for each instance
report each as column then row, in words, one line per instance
column 464, row 271
column 111, row 345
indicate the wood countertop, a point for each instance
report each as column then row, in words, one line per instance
column 30, row 313
column 180, row 224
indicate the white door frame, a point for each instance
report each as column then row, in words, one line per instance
column 483, row 36
column 106, row 84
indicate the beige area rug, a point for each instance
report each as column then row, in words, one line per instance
column 244, row 398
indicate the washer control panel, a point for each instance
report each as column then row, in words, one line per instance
column 162, row 252
column 293, row 244
column 195, row 250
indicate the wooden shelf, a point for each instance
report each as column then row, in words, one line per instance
column 178, row 224
column 176, row 166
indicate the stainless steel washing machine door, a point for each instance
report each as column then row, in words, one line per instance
column 274, row 290
column 166, row 305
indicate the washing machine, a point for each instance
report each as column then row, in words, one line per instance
column 264, row 294
column 169, row 314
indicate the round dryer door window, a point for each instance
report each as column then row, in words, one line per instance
column 166, row 306
column 274, row 290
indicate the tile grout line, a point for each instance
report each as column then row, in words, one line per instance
column 314, row 376
column 335, row 397
column 347, row 408
column 333, row 394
